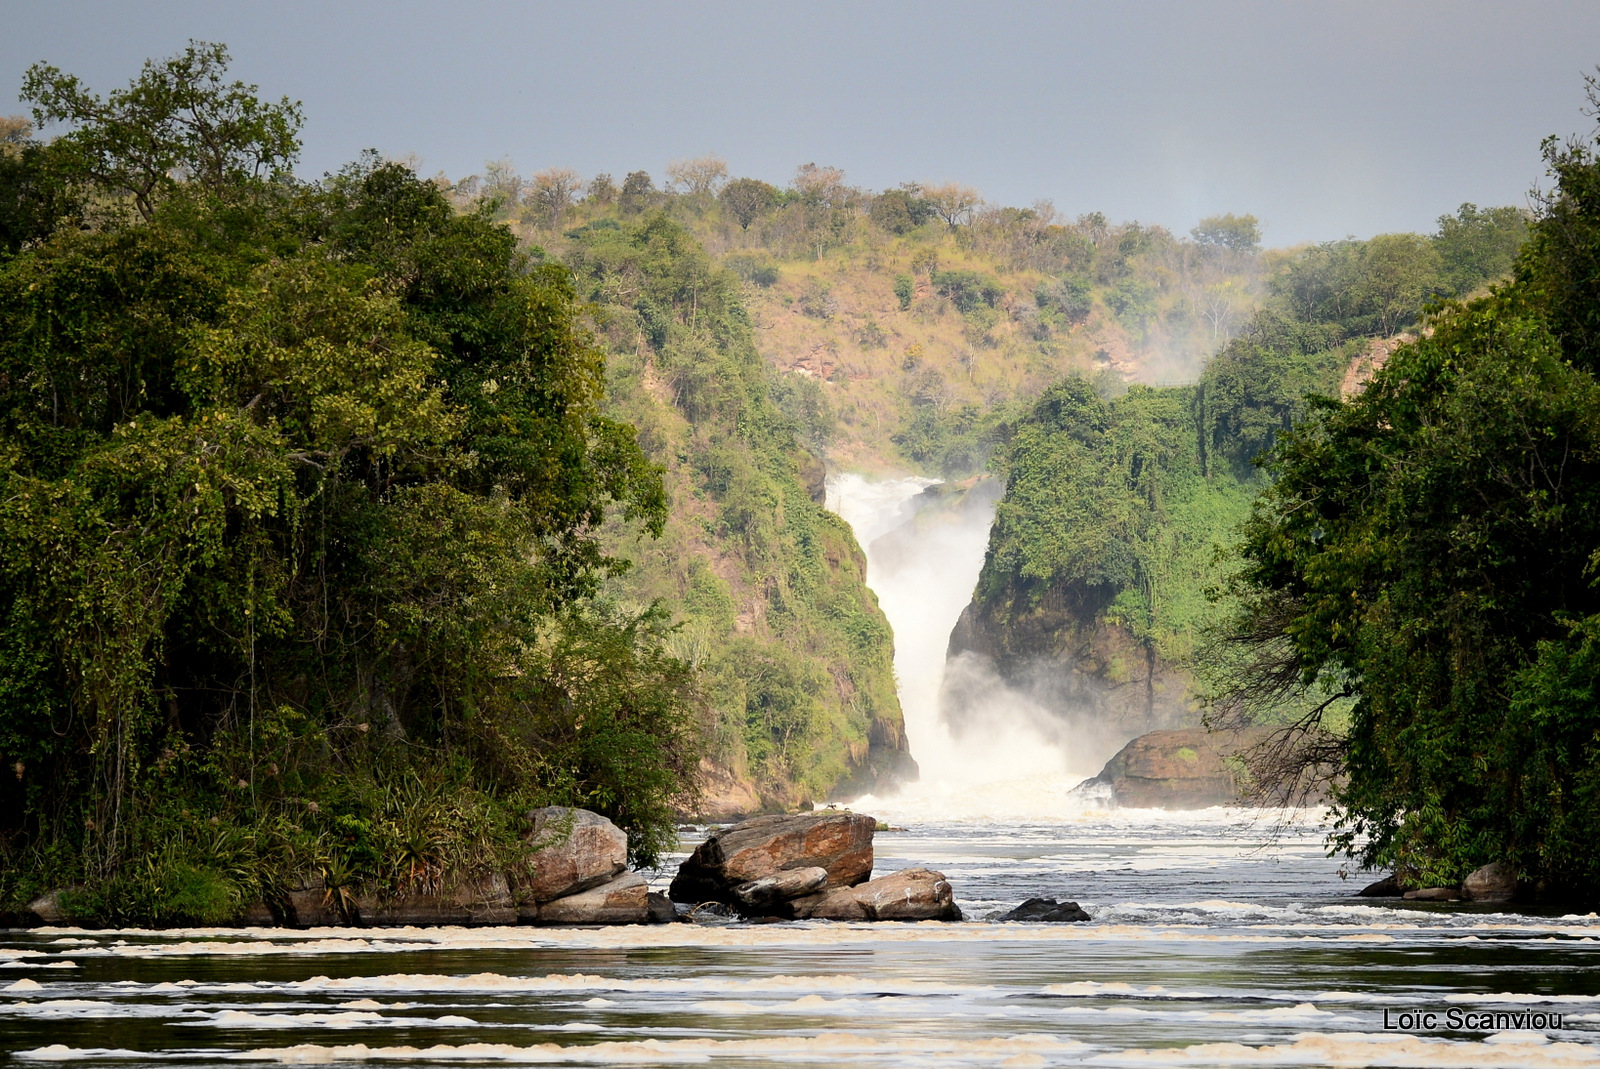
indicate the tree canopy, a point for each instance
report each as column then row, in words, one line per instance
column 302, row 493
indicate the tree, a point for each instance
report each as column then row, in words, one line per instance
column 952, row 202
column 697, row 176
column 1236, row 233
column 601, row 189
column 1427, row 552
column 819, row 185
column 1477, row 245
column 748, row 198
column 177, row 117
column 637, row 193
column 303, row 508
column 900, row 211
column 502, row 184
column 15, row 132
column 550, row 192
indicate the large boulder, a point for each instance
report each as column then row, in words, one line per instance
column 907, row 895
column 1191, row 768
column 1495, row 882
column 836, row 841
column 573, row 850
column 624, row 900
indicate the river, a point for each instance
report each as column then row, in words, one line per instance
column 1222, row 937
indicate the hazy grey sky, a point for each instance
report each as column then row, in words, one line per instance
column 1323, row 119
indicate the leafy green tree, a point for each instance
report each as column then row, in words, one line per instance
column 303, row 487
column 1427, row 549
column 746, row 199
column 1236, row 233
column 1477, row 245
column 904, row 290
column 179, row 116
column 967, row 289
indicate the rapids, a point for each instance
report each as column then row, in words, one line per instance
column 1222, row 937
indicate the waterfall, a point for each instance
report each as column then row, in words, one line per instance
column 924, row 552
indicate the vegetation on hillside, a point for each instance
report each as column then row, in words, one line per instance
column 1118, row 505
column 301, row 494
column 767, row 584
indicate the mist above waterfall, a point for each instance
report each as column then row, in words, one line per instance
column 984, row 748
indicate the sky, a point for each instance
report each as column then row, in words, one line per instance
column 1322, row 119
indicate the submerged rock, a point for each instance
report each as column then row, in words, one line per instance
column 625, row 900
column 1495, row 882
column 1046, row 909
column 1434, row 894
column 1388, row 887
column 907, row 895
column 573, row 850
column 838, row 842
column 659, row 909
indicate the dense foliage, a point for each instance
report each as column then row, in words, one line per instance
column 1107, row 550
column 301, row 488
column 767, row 583
column 1429, row 548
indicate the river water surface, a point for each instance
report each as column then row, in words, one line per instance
column 1223, row 937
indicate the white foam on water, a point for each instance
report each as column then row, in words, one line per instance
column 829, row 1047
column 1356, row 1049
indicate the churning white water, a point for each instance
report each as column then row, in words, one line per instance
column 924, row 552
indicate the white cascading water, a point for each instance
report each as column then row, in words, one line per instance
column 923, row 564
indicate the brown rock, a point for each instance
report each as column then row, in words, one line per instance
column 1388, row 887
column 1434, row 894
column 311, row 904
column 256, row 915
column 1495, row 882
column 837, row 841
column 660, row 909
column 907, row 895
column 757, row 896
column 1186, row 769
column 49, row 910
column 483, row 900
column 574, row 850
column 723, row 795
column 625, row 900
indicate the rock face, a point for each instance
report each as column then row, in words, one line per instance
column 1496, row 882
column 484, row 900
column 624, row 900
column 908, row 895
column 723, row 796
column 1189, row 768
column 574, row 850
column 838, row 842
column 1046, row 909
